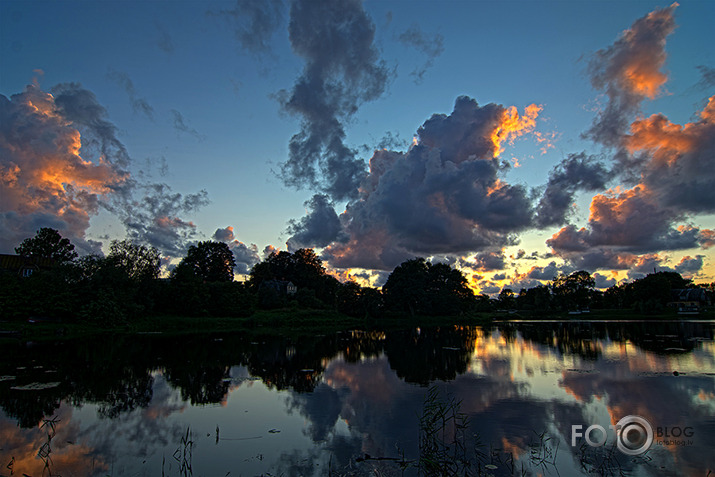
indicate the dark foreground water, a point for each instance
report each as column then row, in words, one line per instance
column 351, row 403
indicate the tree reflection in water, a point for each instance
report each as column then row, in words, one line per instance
column 363, row 391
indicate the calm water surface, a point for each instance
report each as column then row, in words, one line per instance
column 351, row 403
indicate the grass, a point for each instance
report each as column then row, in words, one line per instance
column 288, row 321
column 298, row 322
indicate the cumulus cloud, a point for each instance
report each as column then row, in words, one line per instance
column 487, row 261
column 576, row 172
column 677, row 159
column 629, row 71
column 246, row 256
column 548, row 272
column 665, row 164
column 154, row 217
column 690, row 266
column 431, row 46
column 61, row 162
column 647, row 264
column 317, row 229
column 343, row 69
column 603, row 281
column 442, row 196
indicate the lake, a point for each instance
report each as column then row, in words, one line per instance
column 501, row 399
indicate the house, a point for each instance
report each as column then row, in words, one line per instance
column 283, row 287
column 689, row 301
column 24, row 266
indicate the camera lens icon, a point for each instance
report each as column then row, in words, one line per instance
column 634, row 435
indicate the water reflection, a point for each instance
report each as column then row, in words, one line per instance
column 350, row 403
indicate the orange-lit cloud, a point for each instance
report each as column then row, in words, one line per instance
column 43, row 173
column 61, row 161
column 511, row 126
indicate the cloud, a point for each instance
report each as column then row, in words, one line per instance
column 603, row 281
column 690, row 266
column 646, row 264
column 61, row 162
column 343, row 69
column 576, row 172
column 139, row 105
column 676, row 159
column 548, row 272
column 181, row 126
column 443, row 196
column 246, row 256
column 487, row 261
column 153, row 219
column 254, row 22
column 164, row 40
column 665, row 164
column 430, row 46
column 674, row 183
column 317, row 229
column 45, row 181
column 707, row 79
column 629, row 71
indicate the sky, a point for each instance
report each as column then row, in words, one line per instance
column 513, row 140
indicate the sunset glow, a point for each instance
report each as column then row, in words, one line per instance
column 516, row 165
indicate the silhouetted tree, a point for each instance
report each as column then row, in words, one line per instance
column 208, row 261
column 652, row 292
column 574, row 290
column 354, row 300
column 47, row 243
column 537, row 299
column 406, row 285
column 303, row 268
column 137, row 262
column 417, row 286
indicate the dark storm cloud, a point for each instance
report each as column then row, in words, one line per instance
column 47, row 183
column 430, row 46
column 254, row 22
column 140, row 105
column 342, row 70
column 576, row 172
column 181, row 126
column 246, row 256
column 628, row 72
column 317, row 229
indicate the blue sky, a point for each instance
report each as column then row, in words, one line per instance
column 197, row 95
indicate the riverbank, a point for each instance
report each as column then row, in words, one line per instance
column 305, row 322
column 289, row 322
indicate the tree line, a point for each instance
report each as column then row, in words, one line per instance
column 125, row 284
